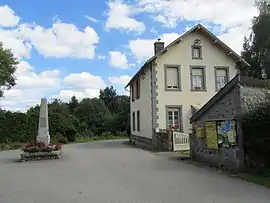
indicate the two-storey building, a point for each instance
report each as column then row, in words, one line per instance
column 179, row 79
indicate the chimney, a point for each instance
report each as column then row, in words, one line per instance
column 159, row 46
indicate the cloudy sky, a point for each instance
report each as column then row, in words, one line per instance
column 78, row 47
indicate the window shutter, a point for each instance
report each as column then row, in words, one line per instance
column 197, row 72
column 172, row 78
column 221, row 73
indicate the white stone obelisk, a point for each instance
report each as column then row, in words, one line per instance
column 43, row 124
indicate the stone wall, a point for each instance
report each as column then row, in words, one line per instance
column 226, row 108
column 142, row 142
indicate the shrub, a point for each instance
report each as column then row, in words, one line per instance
column 121, row 134
column 31, row 149
column 107, row 134
column 46, row 149
column 71, row 133
column 59, row 138
column 256, row 136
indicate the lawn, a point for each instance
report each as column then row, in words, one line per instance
column 260, row 179
column 98, row 138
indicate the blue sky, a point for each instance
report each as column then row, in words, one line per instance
column 68, row 48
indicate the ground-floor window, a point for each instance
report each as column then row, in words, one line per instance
column 138, row 121
column 133, row 121
column 174, row 118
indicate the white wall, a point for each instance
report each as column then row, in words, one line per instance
column 180, row 54
column 144, row 105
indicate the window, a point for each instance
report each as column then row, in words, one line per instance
column 172, row 78
column 133, row 121
column 196, row 49
column 132, row 92
column 221, row 77
column 174, row 118
column 138, row 88
column 197, row 79
column 138, row 121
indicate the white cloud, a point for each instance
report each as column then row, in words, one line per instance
column 144, row 48
column 65, row 95
column 8, row 17
column 11, row 40
column 28, row 79
column 120, row 80
column 91, row 19
column 233, row 16
column 121, row 16
column 62, row 40
column 82, row 81
column 31, row 86
column 119, row 60
column 169, row 13
column 234, row 37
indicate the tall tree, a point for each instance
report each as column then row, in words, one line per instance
column 7, row 69
column 108, row 95
column 256, row 49
column 73, row 104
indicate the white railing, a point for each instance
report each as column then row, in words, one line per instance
column 180, row 141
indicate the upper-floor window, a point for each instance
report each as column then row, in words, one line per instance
column 196, row 49
column 172, row 78
column 197, row 75
column 138, row 88
column 221, row 77
column 132, row 92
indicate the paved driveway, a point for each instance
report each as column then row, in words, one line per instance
column 114, row 172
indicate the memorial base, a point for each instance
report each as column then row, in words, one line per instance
column 26, row 156
column 38, row 151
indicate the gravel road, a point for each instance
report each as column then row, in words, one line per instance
column 113, row 172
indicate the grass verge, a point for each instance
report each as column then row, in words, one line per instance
column 98, row 138
column 11, row 146
column 260, row 179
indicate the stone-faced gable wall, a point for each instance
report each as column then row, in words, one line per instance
column 227, row 108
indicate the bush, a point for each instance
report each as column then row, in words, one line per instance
column 70, row 134
column 121, row 134
column 59, row 138
column 256, row 136
column 107, row 134
column 31, row 149
column 47, row 149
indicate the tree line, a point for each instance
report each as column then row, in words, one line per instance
column 107, row 115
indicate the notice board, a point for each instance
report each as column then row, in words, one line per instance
column 211, row 134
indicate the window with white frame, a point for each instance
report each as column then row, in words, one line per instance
column 197, row 78
column 172, row 78
column 221, row 77
column 174, row 118
column 196, row 49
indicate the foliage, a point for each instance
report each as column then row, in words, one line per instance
column 255, row 125
column 59, row 138
column 256, row 48
column 68, row 121
column 7, row 69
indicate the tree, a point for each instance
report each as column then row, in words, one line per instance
column 73, row 104
column 256, row 49
column 108, row 95
column 7, row 69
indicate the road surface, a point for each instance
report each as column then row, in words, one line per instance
column 112, row 172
